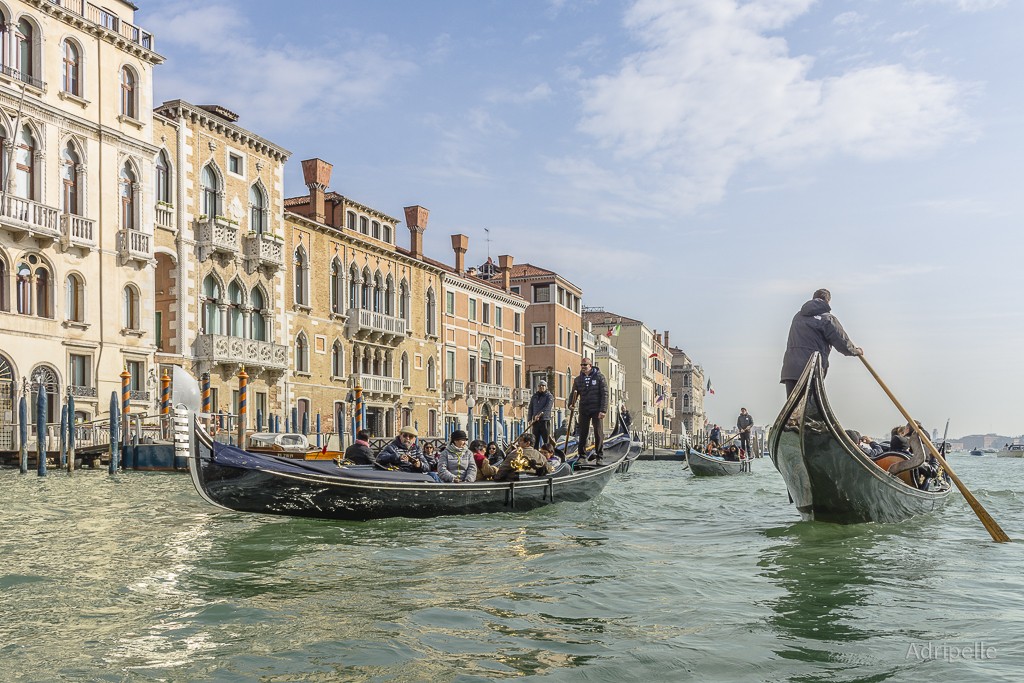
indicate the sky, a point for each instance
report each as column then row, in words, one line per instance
column 701, row 165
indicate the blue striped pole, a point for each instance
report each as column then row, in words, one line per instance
column 259, row 420
column 359, row 417
column 114, row 418
column 305, row 422
column 126, row 406
column 63, row 436
column 165, row 404
column 41, row 429
column 71, row 432
column 318, row 429
column 295, row 419
column 23, row 430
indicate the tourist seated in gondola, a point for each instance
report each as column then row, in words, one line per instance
column 493, row 453
column 485, row 471
column 731, row 453
column 870, row 447
column 899, row 439
column 455, row 463
column 360, row 453
column 523, row 458
column 430, row 456
column 548, row 451
column 403, row 453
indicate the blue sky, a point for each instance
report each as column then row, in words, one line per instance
column 701, row 165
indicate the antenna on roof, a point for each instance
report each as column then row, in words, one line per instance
column 488, row 231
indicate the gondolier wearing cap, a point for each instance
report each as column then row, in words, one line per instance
column 814, row 328
column 539, row 414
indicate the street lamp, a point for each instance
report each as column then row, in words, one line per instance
column 470, row 402
column 412, row 404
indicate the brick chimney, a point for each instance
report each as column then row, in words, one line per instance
column 460, row 243
column 317, row 175
column 666, row 339
column 416, row 219
column 505, row 263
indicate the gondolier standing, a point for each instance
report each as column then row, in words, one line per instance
column 539, row 414
column 814, row 328
column 591, row 391
column 743, row 423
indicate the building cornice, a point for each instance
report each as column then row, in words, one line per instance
column 180, row 109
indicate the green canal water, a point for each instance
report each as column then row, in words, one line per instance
column 663, row 578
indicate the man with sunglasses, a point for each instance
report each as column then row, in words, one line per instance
column 403, row 453
column 590, row 393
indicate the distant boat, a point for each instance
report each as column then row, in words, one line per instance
column 1013, row 450
column 704, row 465
column 829, row 477
column 977, row 451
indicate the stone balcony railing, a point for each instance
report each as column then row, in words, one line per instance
column 133, row 245
column 484, row 391
column 223, row 350
column 454, row 388
column 163, row 216
column 83, row 392
column 264, row 250
column 77, row 231
column 377, row 385
column 216, row 235
column 138, row 395
column 521, row 395
column 376, row 326
column 24, row 216
column 108, row 20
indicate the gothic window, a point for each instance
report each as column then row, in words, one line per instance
column 211, row 301
column 72, row 78
column 128, row 209
column 129, row 106
column 337, row 360
column 300, row 274
column 353, row 287
column 257, row 210
column 75, row 299
column 258, row 323
column 431, row 313
column 235, row 310
column 69, row 196
column 209, row 186
column 130, row 309
column 24, row 164
column 301, row 353
column 163, row 178
column 431, row 374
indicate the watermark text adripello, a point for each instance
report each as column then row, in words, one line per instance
column 950, row 652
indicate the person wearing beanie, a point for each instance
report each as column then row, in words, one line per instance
column 455, row 463
column 814, row 328
column 539, row 414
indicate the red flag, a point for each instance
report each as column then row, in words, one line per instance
column 653, row 355
column 608, row 333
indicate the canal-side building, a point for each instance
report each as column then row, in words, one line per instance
column 484, row 348
column 361, row 311
column 219, row 251
column 660, row 362
column 688, row 389
column 553, row 327
column 76, row 198
column 635, row 344
column 606, row 358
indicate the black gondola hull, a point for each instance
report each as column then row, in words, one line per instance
column 828, row 477
column 250, row 482
column 703, row 465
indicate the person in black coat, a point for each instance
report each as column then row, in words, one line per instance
column 539, row 414
column 743, row 423
column 359, row 452
column 814, row 328
column 590, row 393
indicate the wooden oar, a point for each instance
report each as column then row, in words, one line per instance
column 997, row 533
column 568, row 429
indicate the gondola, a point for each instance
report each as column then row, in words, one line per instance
column 255, row 482
column 704, row 465
column 828, row 476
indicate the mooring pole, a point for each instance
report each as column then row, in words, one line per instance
column 63, row 436
column 243, row 382
column 114, row 419
column 41, row 428
column 23, row 427
column 165, row 404
column 71, row 431
column 206, row 397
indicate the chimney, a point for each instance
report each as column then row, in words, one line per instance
column 416, row 218
column 460, row 243
column 317, row 175
column 666, row 339
column 505, row 263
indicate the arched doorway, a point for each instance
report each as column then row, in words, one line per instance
column 47, row 377
column 8, row 417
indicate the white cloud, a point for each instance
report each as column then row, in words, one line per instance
column 715, row 87
column 967, row 5
column 272, row 81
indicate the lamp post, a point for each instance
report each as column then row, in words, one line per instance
column 410, row 405
column 470, row 402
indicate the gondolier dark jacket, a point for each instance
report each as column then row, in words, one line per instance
column 592, row 392
column 541, row 404
column 814, row 328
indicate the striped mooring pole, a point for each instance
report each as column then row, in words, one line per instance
column 126, row 406
column 359, row 407
column 165, row 403
column 243, row 381
column 206, row 396
column 114, row 418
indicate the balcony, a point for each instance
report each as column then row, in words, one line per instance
column 219, row 349
column 138, row 395
column 18, row 75
column 377, row 386
column 521, row 395
column 76, row 231
column 25, row 217
column 164, row 217
column 109, row 21
column 454, row 388
column 133, row 245
column 216, row 235
column 264, row 250
column 83, row 392
column 375, row 327
column 495, row 392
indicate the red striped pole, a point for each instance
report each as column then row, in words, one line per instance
column 243, row 381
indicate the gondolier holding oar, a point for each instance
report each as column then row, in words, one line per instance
column 591, row 390
column 539, row 414
column 814, row 328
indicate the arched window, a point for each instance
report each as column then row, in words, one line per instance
column 431, row 374
column 353, row 287
column 69, row 202
column 209, row 188
column 378, row 293
column 128, row 107
column 337, row 360
column 403, row 302
column 258, row 323
column 686, row 400
column 301, row 353
column 405, row 369
column 386, row 234
column 235, row 310
column 485, row 362
column 24, row 164
column 367, row 302
column 4, row 283
column 337, row 286
column 163, row 178
column 257, row 210
column 23, row 36
column 74, row 303
column 130, row 309
column 128, row 208
column 301, row 275
column 23, row 277
column 375, row 230
column 389, row 296
column 46, row 377
column 431, row 313
column 72, row 80
column 44, row 287
column 211, row 301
